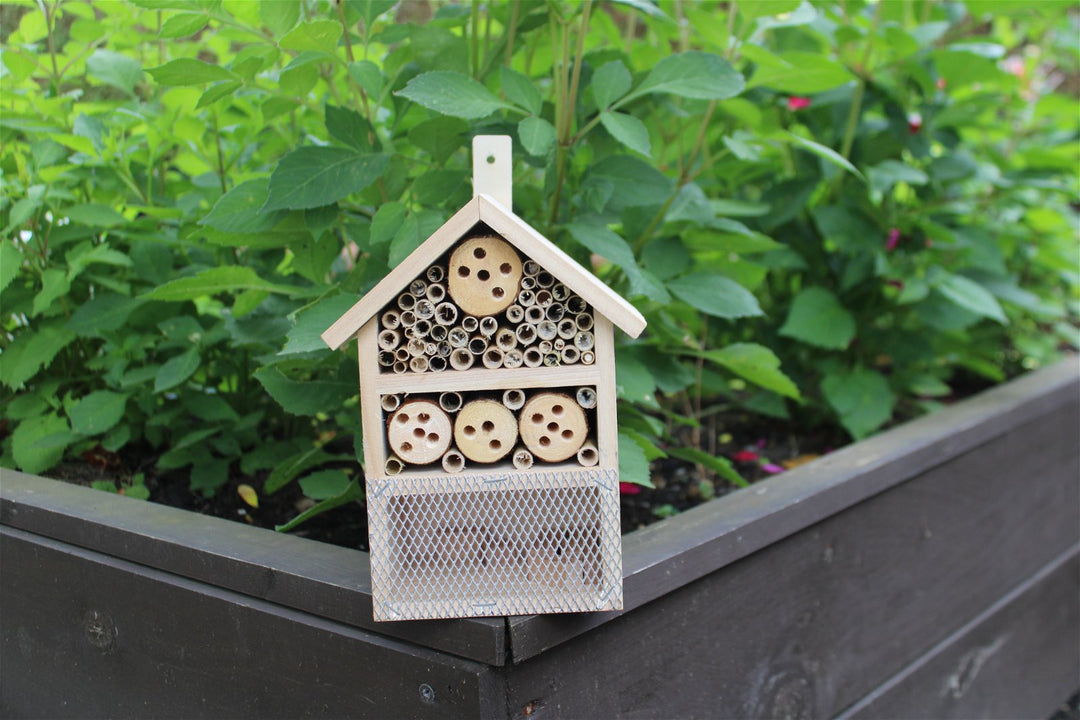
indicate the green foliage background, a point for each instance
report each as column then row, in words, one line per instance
column 825, row 210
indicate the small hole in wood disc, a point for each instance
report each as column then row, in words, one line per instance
column 545, row 441
column 406, row 447
column 424, row 417
column 418, row 432
column 483, row 275
column 537, row 418
column 556, row 410
column 495, row 444
column 506, row 269
column 469, row 430
column 553, row 427
column 403, row 418
column 479, row 253
column 488, row 426
column 567, row 434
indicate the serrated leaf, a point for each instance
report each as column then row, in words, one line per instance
column 693, row 74
column 10, row 263
column 715, row 294
column 755, row 363
column 176, row 370
column 188, row 71
column 520, row 90
column 184, row 24
column 231, row 279
column 54, row 284
column 315, row 176
column 97, row 413
column 324, row 484
column 279, row 15
column 817, row 318
column 537, row 136
column 34, row 459
column 633, row 467
column 969, row 295
column 453, row 94
column 313, row 36
column 628, row 130
column 802, row 73
column 113, row 68
column 217, row 92
column 305, row 335
column 368, row 76
column 348, row 127
column 30, row 352
column 609, row 83
column 305, row 397
column 633, row 381
column 861, row 398
column 94, row 215
column 240, row 209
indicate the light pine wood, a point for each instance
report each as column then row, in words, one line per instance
column 485, row 275
column 485, row 431
column 419, row 432
column 553, row 426
column 479, row 378
column 607, row 422
column 370, row 405
column 493, row 167
column 398, row 279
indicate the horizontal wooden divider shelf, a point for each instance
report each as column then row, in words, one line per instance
column 485, row 379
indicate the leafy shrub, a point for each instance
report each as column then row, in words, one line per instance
column 873, row 197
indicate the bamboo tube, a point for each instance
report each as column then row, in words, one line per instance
column 419, row 432
column 525, row 334
column 505, row 339
column 534, row 314
column 493, row 358
column 543, row 298
column 558, row 344
column 393, row 466
column 583, row 321
column 544, row 279
column 425, row 309
column 584, row 341
column 453, row 461
column 513, row 399
column 437, row 363
column 529, row 267
column 478, row 345
column 470, row 324
column 461, row 359
column 418, row 287
column 450, row 401
column 419, row 364
column 528, row 283
column 402, row 354
column 408, row 318
column 406, row 301
column 575, row 305
column 485, row 431
column 570, row 355
column 438, row 333
column 488, row 326
column 567, row 329
column 553, row 427
column 551, row 360
column 443, row 349
column 515, row 314
column 532, row 357
column 555, row 312
column 586, row 397
column 587, row 357
column 484, row 275
column 435, row 273
column 545, row 346
column 416, row 347
column 390, row 403
column 446, row 313
column 526, row 298
column 421, row 329
column 400, row 367
column 560, row 292
column 457, row 337
column 391, row 320
column 386, row 359
column 523, row 459
column 431, row 349
column 587, row 455
column 546, row 330
column 512, row 359
column 436, row 292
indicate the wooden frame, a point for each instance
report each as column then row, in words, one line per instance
column 931, row 571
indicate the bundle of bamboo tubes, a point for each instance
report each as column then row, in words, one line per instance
column 485, row 308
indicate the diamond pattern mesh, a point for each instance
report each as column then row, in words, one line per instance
column 481, row 545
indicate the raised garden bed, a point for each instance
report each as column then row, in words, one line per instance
column 930, row 571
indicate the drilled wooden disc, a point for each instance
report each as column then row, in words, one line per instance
column 485, row 431
column 485, row 274
column 419, row 432
column 553, row 426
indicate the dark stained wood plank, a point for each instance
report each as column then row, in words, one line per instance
column 812, row 623
column 665, row 556
column 1012, row 661
column 325, row 580
column 86, row 635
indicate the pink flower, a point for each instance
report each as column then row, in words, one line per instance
column 771, row 468
column 629, row 488
column 941, row 83
column 914, row 122
column 797, row 103
column 893, row 239
column 745, row 456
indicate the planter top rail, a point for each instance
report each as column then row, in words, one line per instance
column 334, row 582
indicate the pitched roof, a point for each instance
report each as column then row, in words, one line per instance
column 483, row 208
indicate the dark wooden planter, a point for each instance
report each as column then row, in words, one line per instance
column 932, row 571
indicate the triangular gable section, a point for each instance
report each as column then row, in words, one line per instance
column 518, row 233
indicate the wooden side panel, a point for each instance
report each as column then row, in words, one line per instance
column 85, row 635
column 606, row 403
column 370, row 409
column 811, row 624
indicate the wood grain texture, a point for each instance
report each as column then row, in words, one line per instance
column 607, row 416
column 477, row 378
column 85, row 635
column 371, row 415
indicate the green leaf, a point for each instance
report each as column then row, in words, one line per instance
column 861, row 398
column 230, row 278
column 628, row 130
column 54, row 284
column 113, row 68
column 105, row 312
column 368, row 76
column 537, row 136
column 714, row 294
column 240, row 209
column 354, row 493
column 826, row 153
column 634, row 182
column 313, row 36
column 817, row 318
column 305, row 335
column 27, row 454
column 184, row 24
column 693, row 74
column 216, row 92
column 279, row 15
column 633, row 381
column 348, row 127
column 97, row 413
column 719, row 465
column 801, row 73
column 609, row 83
column 315, row 176
column 288, row 468
column 305, row 397
column 416, row 228
column 969, row 295
column 188, row 71
column 324, row 484
column 451, row 93
column 176, row 370
column 755, row 363
column 94, row 215
column 889, row 172
column 520, row 90
column 386, row 222
column 10, row 263
column 633, row 467
column 208, row 475
column 32, row 351
column 602, row 241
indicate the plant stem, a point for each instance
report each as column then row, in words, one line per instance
column 475, row 44
column 565, row 102
column 511, row 32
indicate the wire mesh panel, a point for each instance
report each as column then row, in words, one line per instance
column 479, row 545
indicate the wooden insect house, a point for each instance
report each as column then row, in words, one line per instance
column 487, row 390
